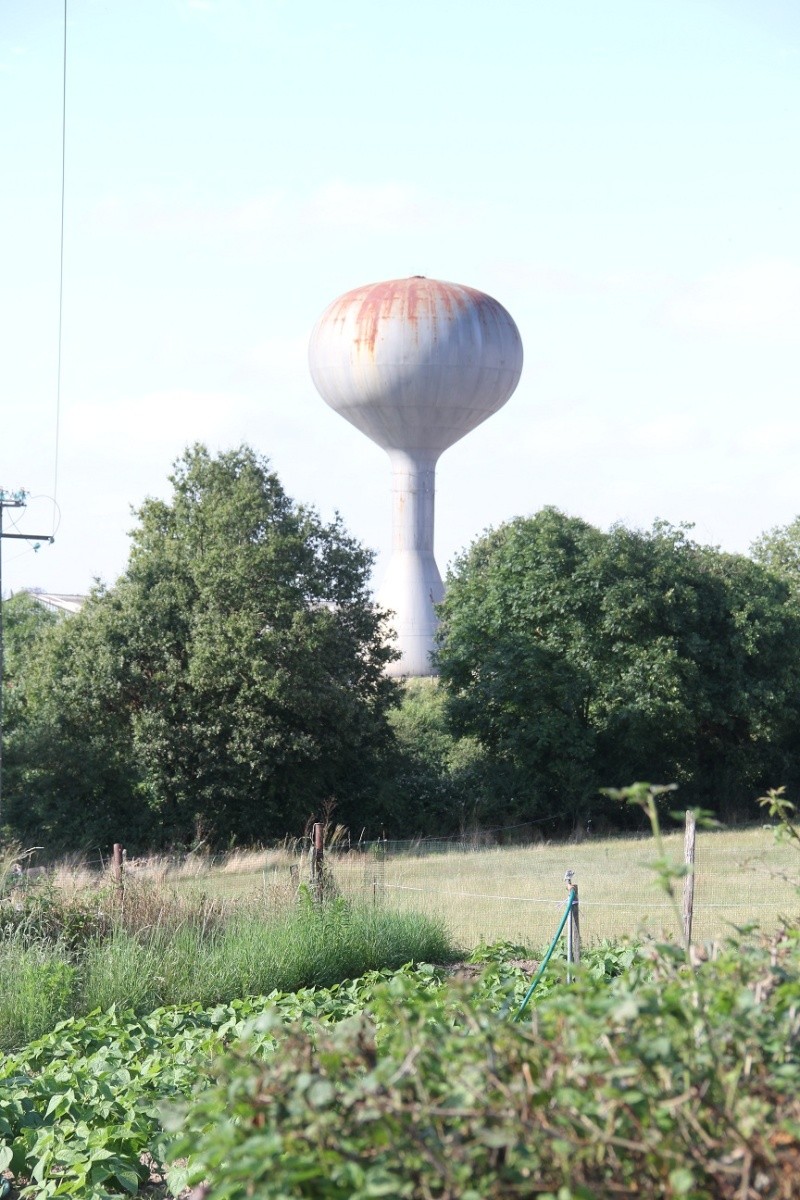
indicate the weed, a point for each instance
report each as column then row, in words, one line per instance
column 38, row 983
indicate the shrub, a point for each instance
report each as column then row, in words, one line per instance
column 665, row 1084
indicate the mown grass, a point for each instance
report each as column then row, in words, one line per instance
column 66, row 957
column 493, row 893
column 742, row 877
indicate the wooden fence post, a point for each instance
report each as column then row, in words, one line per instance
column 688, row 881
column 317, row 859
column 116, row 864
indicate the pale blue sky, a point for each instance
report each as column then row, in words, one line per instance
column 623, row 176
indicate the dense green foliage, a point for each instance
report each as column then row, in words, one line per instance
column 643, row 1078
column 439, row 782
column 779, row 550
column 25, row 622
column 673, row 1085
column 579, row 658
column 79, row 1106
column 227, row 685
column 231, row 684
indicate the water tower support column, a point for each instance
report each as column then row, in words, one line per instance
column 412, row 584
column 413, row 501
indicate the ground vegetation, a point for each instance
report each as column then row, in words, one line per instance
column 67, row 951
column 655, row 1073
column 644, row 1078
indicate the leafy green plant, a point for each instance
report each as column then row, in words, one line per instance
column 405, row 1084
column 79, row 1106
column 497, row 952
column 783, row 812
column 613, row 1085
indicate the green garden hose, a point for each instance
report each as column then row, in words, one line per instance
column 573, row 891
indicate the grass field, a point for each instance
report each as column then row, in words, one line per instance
column 484, row 894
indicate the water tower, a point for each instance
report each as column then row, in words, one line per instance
column 415, row 364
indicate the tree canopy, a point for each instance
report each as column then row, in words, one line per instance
column 584, row 659
column 229, row 683
column 232, row 682
column 779, row 551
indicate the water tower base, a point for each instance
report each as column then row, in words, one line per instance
column 410, row 590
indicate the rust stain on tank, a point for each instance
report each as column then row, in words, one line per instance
column 415, row 301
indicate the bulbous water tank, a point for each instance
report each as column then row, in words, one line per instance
column 416, row 363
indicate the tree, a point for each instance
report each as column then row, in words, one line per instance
column 234, row 676
column 24, row 622
column 74, row 773
column 779, row 551
column 584, row 659
column 510, row 656
column 437, row 783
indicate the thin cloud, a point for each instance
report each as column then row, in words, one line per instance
column 760, row 298
column 383, row 208
column 378, row 208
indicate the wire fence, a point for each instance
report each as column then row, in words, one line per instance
column 485, row 892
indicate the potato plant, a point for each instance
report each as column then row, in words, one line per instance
column 662, row 1082
column 644, row 1078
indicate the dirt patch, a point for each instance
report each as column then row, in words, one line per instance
column 467, row 971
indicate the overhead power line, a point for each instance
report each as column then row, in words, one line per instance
column 60, row 266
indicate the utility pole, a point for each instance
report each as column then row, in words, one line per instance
column 10, row 500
